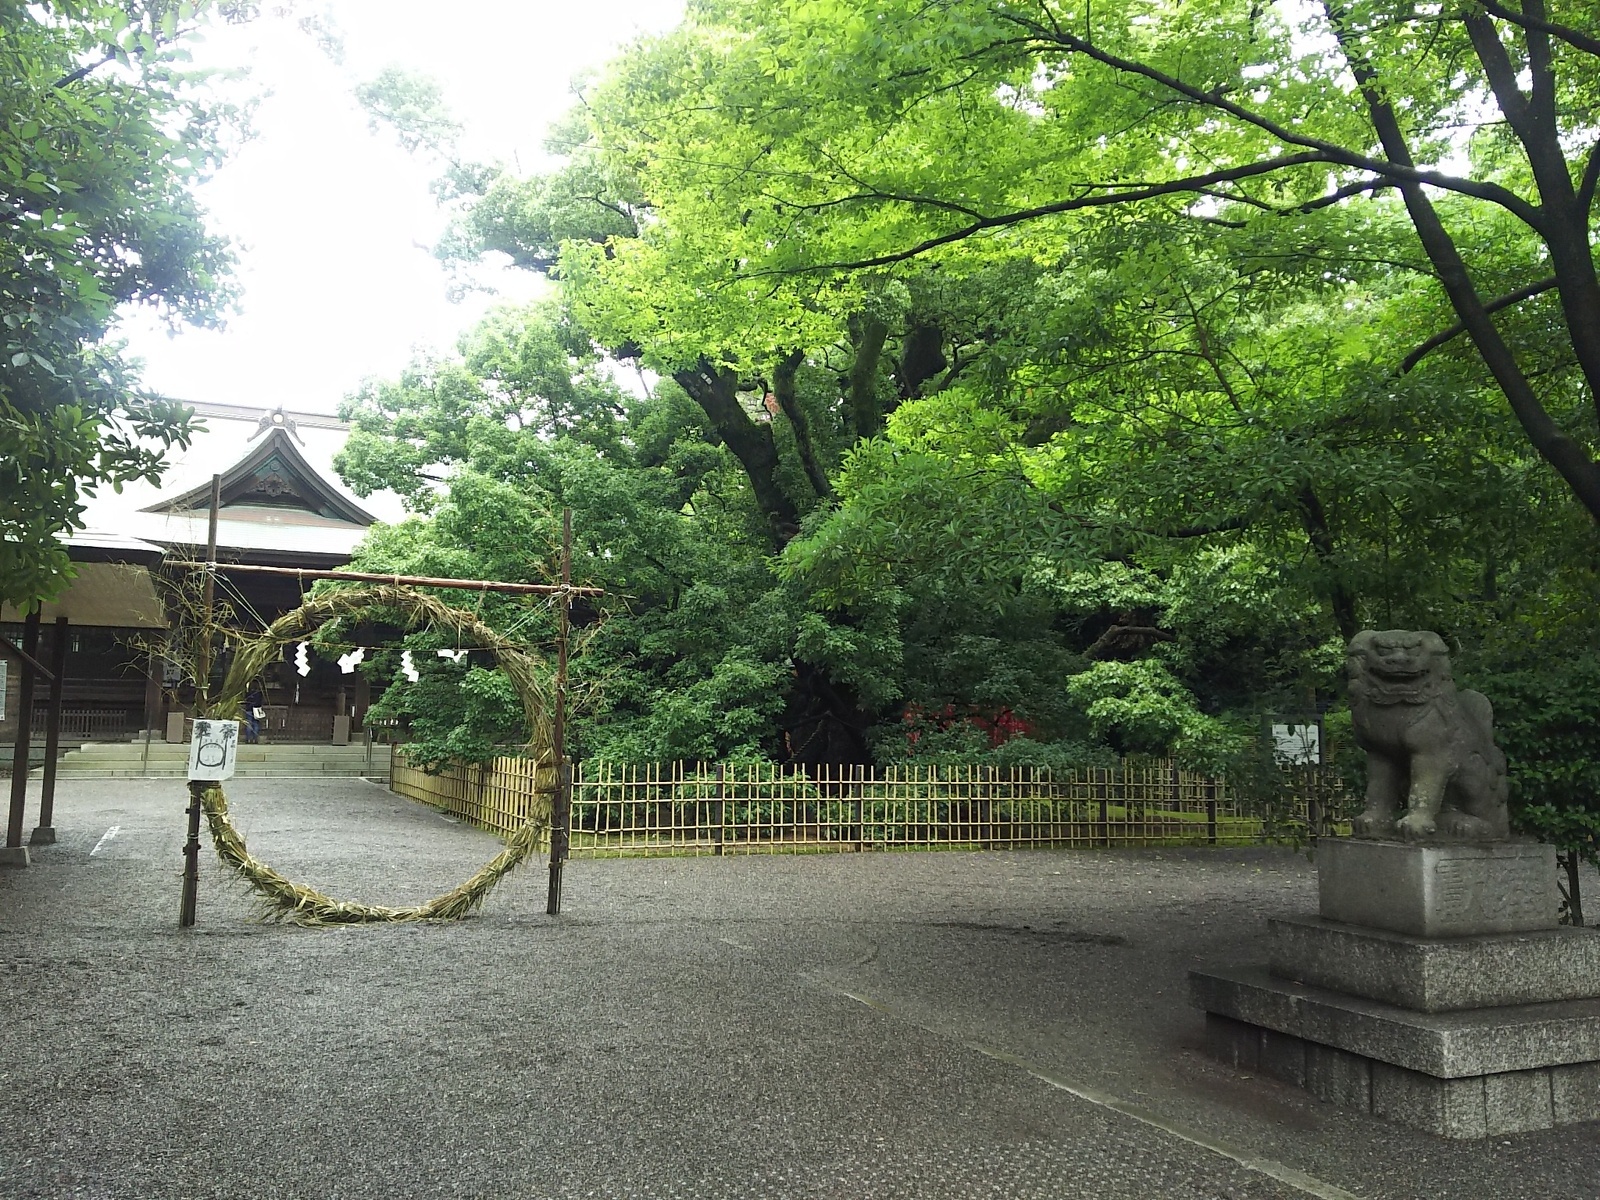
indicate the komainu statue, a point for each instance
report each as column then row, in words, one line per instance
column 1430, row 748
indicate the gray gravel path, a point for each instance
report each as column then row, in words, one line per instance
column 910, row 1025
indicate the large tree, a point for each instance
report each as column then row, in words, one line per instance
column 842, row 138
column 103, row 137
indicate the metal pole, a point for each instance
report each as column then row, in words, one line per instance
column 202, row 698
column 44, row 833
column 19, row 755
column 561, row 809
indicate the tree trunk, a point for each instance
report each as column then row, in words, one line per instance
column 867, row 335
column 783, row 390
column 1314, row 518
column 715, row 390
column 921, row 357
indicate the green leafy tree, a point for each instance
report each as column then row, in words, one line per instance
column 103, row 137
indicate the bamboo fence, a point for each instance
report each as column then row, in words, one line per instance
column 765, row 808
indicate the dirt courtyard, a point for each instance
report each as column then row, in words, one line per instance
column 1002, row 1024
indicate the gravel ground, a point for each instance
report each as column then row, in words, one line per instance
column 943, row 1025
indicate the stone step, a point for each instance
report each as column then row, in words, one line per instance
column 1448, row 1045
column 119, row 751
column 256, row 772
column 1438, row 974
column 1468, row 1074
column 121, row 761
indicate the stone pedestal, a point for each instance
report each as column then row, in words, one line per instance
column 1438, row 891
column 1482, row 1033
column 13, row 856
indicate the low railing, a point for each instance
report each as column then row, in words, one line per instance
column 720, row 808
column 497, row 796
column 87, row 724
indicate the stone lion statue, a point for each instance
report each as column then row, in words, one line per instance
column 1430, row 748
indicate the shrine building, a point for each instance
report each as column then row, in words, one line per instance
column 281, row 505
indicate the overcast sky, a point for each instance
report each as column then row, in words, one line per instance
column 332, row 221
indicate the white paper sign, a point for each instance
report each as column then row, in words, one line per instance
column 212, row 750
column 1297, row 744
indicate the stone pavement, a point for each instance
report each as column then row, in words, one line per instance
column 936, row 1025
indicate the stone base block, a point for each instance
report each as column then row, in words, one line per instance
column 1442, row 1073
column 1438, row 890
column 43, row 835
column 1438, row 974
column 13, row 856
column 1478, row 1041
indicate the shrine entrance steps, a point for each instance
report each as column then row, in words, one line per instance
column 169, row 760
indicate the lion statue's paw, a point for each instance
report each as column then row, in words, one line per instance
column 1373, row 824
column 1456, row 824
column 1415, row 826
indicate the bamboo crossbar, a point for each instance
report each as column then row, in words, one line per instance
column 471, row 585
column 724, row 808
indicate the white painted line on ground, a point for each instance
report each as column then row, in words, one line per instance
column 104, row 838
column 1282, row 1172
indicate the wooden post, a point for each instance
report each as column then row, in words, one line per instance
column 202, row 699
column 202, row 655
column 19, row 755
column 561, row 809
column 44, row 834
column 719, row 807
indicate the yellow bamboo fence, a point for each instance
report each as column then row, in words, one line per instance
column 765, row 808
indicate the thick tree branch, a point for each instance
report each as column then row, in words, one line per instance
column 1189, row 184
column 1568, row 456
column 1526, row 20
column 715, row 390
column 1565, row 229
column 787, row 395
column 1400, row 170
column 1591, row 177
column 1460, row 327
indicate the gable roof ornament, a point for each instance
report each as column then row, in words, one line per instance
column 276, row 418
column 273, row 473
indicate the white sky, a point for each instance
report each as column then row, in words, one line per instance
column 332, row 221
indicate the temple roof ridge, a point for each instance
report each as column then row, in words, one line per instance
column 273, row 472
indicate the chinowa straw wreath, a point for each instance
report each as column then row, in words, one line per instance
column 292, row 901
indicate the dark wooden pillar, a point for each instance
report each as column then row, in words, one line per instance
column 154, row 709
column 44, row 833
column 19, row 759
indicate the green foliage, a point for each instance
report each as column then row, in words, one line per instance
column 1545, row 719
column 103, row 136
column 947, row 430
column 453, row 713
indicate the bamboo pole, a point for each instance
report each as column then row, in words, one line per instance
column 202, row 696
column 470, row 585
column 561, row 814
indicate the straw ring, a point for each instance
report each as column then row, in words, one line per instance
column 307, row 906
